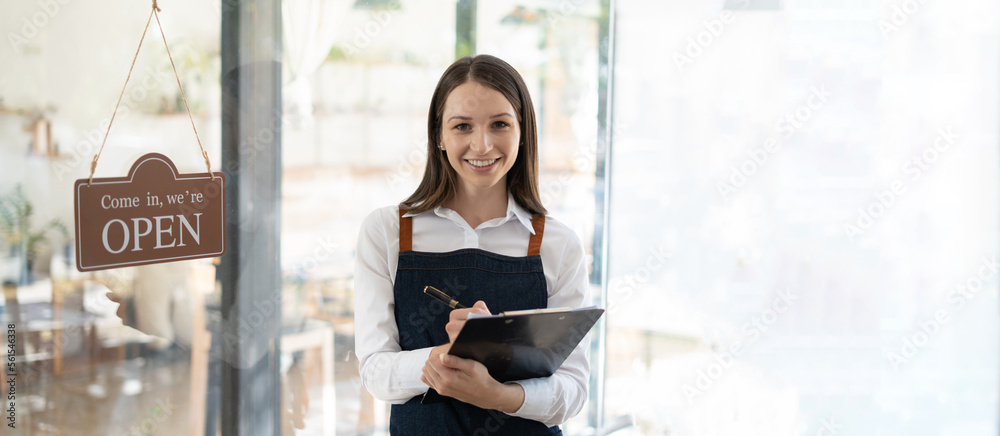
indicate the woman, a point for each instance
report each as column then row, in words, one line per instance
column 476, row 229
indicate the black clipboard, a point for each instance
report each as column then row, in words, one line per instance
column 522, row 344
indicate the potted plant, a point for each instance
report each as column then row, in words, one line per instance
column 15, row 223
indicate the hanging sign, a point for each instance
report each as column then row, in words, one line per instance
column 152, row 215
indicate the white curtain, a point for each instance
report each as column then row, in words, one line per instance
column 310, row 28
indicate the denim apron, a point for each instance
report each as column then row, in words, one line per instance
column 467, row 275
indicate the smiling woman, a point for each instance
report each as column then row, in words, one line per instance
column 480, row 147
column 472, row 99
column 478, row 222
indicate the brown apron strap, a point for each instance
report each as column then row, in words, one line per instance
column 535, row 243
column 405, row 231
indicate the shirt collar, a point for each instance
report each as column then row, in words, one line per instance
column 520, row 213
column 514, row 211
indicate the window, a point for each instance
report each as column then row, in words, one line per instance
column 801, row 227
column 804, row 207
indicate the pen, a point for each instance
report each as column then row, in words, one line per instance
column 442, row 297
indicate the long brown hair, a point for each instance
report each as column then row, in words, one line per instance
column 440, row 181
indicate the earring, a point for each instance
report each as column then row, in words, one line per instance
column 441, row 146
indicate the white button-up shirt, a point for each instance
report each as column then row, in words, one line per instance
column 392, row 375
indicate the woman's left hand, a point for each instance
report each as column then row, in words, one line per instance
column 468, row 381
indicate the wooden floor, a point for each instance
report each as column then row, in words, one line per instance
column 136, row 397
column 150, row 396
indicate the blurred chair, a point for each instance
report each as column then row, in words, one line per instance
column 53, row 326
column 315, row 335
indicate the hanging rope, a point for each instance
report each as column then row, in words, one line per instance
column 153, row 13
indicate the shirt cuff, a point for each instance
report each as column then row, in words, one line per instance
column 537, row 399
column 409, row 368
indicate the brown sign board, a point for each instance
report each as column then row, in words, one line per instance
column 153, row 215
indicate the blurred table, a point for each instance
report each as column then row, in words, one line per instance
column 47, row 328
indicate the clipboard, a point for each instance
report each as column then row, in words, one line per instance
column 522, row 344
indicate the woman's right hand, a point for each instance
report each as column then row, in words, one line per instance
column 456, row 319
